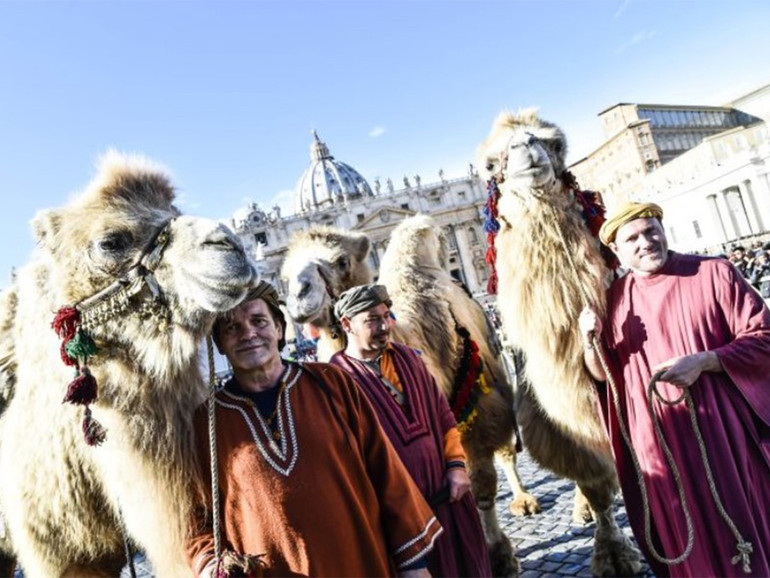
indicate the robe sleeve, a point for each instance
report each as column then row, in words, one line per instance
column 746, row 358
column 199, row 543
column 409, row 524
column 454, row 454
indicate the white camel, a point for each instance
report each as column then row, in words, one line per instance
column 147, row 283
column 542, row 216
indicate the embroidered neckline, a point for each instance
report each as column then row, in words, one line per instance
column 281, row 457
column 398, row 396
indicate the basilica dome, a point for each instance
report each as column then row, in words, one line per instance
column 327, row 181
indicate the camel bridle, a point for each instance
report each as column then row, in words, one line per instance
column 335, row 327
column 116, row 299
column 500, row 175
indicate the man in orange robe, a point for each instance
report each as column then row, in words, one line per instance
column 308, row 483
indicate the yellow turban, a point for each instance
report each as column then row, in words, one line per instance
column 624, row 214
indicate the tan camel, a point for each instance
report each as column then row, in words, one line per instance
column 428, row 306
column 540, row 299
column 61, row 497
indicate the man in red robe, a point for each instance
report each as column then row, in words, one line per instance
column 418, row 421
column 697, row 324
column 309, row 484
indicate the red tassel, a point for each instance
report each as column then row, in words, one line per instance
column 82, row 390
column 492, row 284
column 66, row 322
column 93, row 431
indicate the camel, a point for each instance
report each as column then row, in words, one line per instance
column 429, row 307
column 147, row 283
column 540, row 210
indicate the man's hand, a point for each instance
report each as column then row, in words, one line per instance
column 684, row 371
column 590, row 325
column 459, row 483
column 416, row 573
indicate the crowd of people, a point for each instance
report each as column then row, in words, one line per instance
column 754, row 265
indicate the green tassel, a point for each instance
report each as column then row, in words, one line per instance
column 81, row 346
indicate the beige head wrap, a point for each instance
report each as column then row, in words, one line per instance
column 625, row 214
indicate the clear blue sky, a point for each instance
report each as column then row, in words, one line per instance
column 225, row 93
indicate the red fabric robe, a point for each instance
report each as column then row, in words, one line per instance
column 331, row 498
column 418, row 436
column 694, row 304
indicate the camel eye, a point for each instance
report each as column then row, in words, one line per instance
column 490, row 166
column 342, row 262
column 116, row 242
column 558, row 147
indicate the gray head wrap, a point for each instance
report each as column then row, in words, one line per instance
column 360, row 299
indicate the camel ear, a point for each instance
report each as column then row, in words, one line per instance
column 360, row 246
column 45, row 226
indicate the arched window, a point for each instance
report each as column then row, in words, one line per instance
column 473, row 236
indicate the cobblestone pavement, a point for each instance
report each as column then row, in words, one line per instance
column 548, row 544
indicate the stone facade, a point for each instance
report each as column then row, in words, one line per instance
column 642, row 138
column 717, row 193
column 708, row 167
column 334, row 194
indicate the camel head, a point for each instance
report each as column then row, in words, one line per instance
column 421, row 241
column 123, row 246
column 321, row 263
column 526, row 155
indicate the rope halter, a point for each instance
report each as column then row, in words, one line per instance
column 114, row 300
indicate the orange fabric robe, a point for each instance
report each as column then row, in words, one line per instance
column 331, row 498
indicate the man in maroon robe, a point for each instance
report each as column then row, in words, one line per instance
column 695, row 323
column 417, row 419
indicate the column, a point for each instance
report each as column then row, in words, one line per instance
column 716, row 217
column 752, row 209
column 738, row 211
column 728, row 219
column 762, row 194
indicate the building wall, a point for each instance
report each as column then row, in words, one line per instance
column 716, row 193
column 456, row 205
column 682, row 154
column 618, row 167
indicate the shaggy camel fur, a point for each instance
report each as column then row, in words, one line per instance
column 540, row 302
column 323, row 262
column 62, row 498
